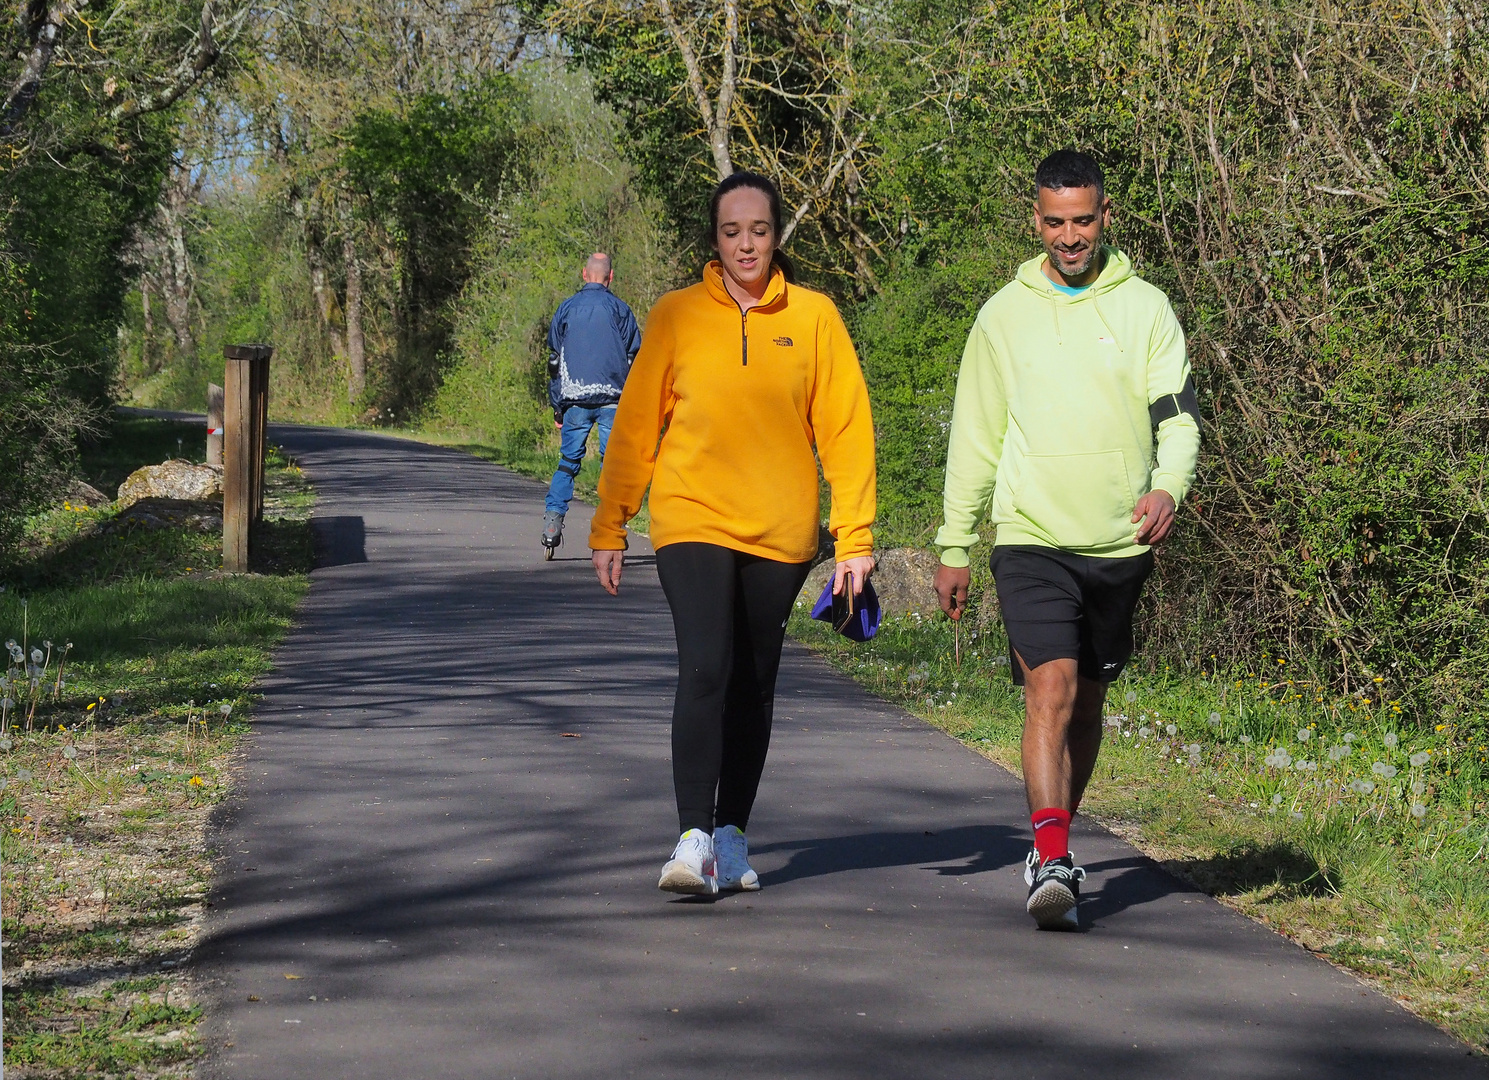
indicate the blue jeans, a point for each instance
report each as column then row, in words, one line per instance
column 577, row 421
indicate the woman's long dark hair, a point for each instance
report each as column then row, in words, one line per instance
column 766, row 186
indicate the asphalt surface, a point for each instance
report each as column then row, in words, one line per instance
column 426, row 875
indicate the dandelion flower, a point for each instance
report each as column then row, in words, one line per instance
column 1350, row 736
column 1144, row 732
column 1304, row 734
column 196, row 781
column 1172, row 729
column 1418, row 787
column 1380, row 768
column 1277, row 800
column 1419, row 758
column 1418, row 811
column 1390, row 740
column 1214, row 719
column 225, row 708
column 36, row 656
column 1131, row 696
column 1362, row 787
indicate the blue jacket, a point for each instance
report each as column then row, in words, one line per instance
column 591, row 343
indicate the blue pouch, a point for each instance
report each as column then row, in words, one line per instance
column 862, row 623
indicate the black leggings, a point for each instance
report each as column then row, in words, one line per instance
column 730, row 611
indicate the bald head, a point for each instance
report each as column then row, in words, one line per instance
column 597, row 269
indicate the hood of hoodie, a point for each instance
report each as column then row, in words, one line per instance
column 1118, row 269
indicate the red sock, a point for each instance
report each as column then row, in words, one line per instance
column 1051, row 833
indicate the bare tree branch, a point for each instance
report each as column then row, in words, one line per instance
column 715, row 121
column 203, row 56
column 23, row 91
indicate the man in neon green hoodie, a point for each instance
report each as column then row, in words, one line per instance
column 1068, row 372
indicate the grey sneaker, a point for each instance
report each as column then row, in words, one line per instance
column 553, row 529
column 732, row 853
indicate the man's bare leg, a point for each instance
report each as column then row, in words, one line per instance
column 1062, row 733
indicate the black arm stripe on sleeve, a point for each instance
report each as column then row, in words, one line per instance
column 1170, row 405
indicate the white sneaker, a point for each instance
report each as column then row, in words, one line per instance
column 691, row 868
column 733, row 854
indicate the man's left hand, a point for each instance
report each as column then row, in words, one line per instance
column 1156, row 512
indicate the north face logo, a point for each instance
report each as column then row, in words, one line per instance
column 784, row 341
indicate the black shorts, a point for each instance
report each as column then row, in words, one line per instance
column 1059, row 606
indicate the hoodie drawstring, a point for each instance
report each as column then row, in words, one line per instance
column 1055, row 313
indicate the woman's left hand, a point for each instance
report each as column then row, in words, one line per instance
column 860, row 568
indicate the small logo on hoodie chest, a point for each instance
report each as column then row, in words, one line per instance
column 783, row 340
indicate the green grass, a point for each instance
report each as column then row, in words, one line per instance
column 108, row 785
column 1356, row 876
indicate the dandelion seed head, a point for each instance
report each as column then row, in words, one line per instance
column 1419, row 758
column 1245, row 738
column 1381, row 768
column 1362, row 787
column 1390, row 740
column 1277, row 799
column 1304, row 734
column 36, row 656
column 1144, row 731
column 1418, row 811
column 225, row 708
column 23, row 774
column 1418, row 787
column 69, row 752
column 1131, row 696
column 1350, row 736
column 1171, row 729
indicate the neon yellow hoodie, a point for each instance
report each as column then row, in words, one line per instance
column 1055, row 407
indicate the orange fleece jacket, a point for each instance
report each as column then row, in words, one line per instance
column 720, row 414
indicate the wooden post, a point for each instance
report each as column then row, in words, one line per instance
column 245, row 420
column 214, row 424
column 260, row 437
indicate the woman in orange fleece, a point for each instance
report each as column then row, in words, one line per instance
column 739, row 377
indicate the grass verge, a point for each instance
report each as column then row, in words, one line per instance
column 1334, row 821
column 106, row 797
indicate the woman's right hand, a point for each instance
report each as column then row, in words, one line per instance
column 607, row 567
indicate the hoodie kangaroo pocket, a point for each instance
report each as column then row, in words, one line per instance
column 1076, row 500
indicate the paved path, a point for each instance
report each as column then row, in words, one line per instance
column 424, row 878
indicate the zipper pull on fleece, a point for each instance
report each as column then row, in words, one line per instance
column 744, row 340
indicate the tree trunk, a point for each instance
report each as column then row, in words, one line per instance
column 175, row 279
column 325, row 298
column 43, row 32
column 148, row 342
column 356, row 345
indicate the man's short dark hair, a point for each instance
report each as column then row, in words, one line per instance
column 1067, row 169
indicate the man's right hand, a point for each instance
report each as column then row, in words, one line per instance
column 952, row 583
column 608, row 565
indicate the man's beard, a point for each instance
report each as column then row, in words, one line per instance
column 1076, row 271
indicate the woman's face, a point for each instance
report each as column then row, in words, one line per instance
column 746, row 238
